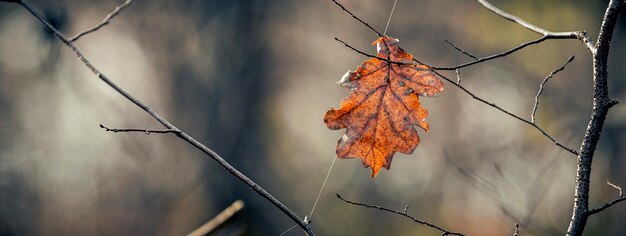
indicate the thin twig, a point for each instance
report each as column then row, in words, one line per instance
column 146, row 131
column 619, row 199
column 494, row 56
column 357, row 18
column 218, row 220
column 543, row 83
column 460, row 49
column 371, row 55
column 104, row 22
column 182, row 135
column 616, row 187
column 359, row 51
column 606, row 205
column 422, row 222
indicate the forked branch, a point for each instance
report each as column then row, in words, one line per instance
column 104, row 22
column 545, row 35
column 580, row 35
column 620, row 198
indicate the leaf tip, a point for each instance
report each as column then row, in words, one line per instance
column 375, row 172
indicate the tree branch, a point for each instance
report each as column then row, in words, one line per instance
column 494, row 56
column 358, row 19
column 104, row 22
column 182, row 135
column 543, row 83
column 534, row 125
column 580, row 35
column 403, row 213
column 460, row 49
column 601, row 105
column 546, row 35
column 619, row 199
column 606, row 205
column 146, row 131
column 367, row 54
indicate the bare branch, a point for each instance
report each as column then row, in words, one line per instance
column 606, row 205
column 514, row 19
column 460, row 49
column 358, row 19
column 422, row 222
column 580, row 35
column 494, row 56
column 571, row 150
column 600, row 108
column 218, row 220
column 546, row 35
column 543, row 83
column 182, row 135
column 619, row 199
column 359, row 51
column 372, row 56
column 146, row 131
column 104, row 22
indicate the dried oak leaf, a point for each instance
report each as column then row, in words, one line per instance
column 380, row 112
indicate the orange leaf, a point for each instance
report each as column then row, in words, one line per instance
column 380, row 112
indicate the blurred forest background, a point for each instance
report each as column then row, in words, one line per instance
column 252, row 79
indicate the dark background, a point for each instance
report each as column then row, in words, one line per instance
column 252, row 79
